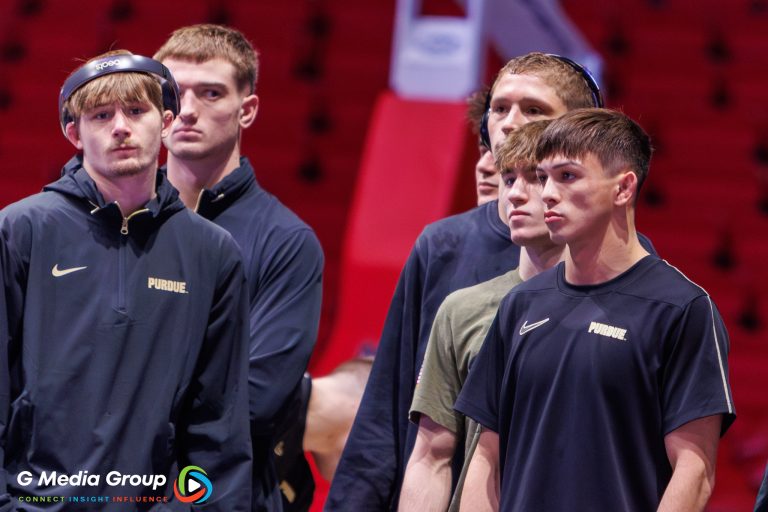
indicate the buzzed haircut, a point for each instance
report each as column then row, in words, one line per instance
column 204, row 42
column 125, row 88
column 518, row 150
column 613, row 138
column 569, row 85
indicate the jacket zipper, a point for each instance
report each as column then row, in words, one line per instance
column 121, row 270
column 200, row 200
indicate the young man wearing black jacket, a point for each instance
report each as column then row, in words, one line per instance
column 126, row 332
column 216, row 69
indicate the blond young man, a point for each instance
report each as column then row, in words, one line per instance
column 127, row 327
column 216, row 68
column 460, row 327
column 603, row 382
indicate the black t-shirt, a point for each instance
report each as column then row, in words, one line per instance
column 582, row 383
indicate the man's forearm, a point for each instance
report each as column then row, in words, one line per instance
column 482, row 486
column 427, row 481
column 689, row 488
column 427, row 486
column 692, row 452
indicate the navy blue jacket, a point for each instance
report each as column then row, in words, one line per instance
column 283, row 266
column 126, row 346
column 452, row 253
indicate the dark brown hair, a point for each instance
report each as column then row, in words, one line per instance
column 476, row 107
column 612, row 137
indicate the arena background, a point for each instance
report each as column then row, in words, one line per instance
column 693, row 73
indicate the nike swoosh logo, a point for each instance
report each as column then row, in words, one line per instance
column 56, row 272
column 525, row 327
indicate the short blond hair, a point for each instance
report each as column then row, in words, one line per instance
column 128, row 87
column 518, row 151
column 204, row 42
column 569, row 85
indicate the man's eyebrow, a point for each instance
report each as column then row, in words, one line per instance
column 529, row 99
column 567, row 162
column 515, row 168
column 210, row 84
column 97, row 106
column 558, row 165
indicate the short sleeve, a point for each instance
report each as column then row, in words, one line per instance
column 439, row 382
column 695, row 376
column 479, row 398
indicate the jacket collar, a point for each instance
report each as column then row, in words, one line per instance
column 76, row 183
column 224, row 193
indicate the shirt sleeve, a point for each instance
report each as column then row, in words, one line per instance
column 479, row 398
column 439, row 382
column 284, row 317
column 372, row 460
column 214, row 427
column 695, row 375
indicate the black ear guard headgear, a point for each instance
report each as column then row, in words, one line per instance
column 597, row 96
column 119, row 64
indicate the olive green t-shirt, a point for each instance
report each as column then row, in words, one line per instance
column 458, row 332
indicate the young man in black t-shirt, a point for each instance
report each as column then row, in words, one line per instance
column 603, row 382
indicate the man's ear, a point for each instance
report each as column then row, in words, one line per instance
column 626, row 188
column 248, row 110
column 167, row 122
column 73, row 135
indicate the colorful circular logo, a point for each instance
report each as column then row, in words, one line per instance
column 193, row 485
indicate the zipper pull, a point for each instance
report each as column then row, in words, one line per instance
column 124, row 227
